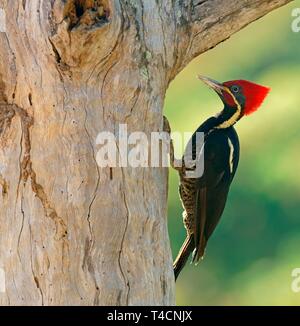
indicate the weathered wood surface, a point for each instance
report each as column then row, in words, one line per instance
column 70, row 232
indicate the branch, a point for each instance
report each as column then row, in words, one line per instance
column 213, row 21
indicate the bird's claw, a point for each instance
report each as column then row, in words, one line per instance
column 166, row 125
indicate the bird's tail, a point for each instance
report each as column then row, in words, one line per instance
column 183, row 255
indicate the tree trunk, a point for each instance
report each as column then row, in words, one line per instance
column 72, row 233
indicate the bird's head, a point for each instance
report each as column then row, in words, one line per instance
column 240, row 97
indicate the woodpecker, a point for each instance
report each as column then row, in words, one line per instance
column 203, row 198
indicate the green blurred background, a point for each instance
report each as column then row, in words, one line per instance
column 250, row 257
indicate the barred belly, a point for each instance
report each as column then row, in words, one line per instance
column 187, row 191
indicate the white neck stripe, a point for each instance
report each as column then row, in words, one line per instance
column 230, row 122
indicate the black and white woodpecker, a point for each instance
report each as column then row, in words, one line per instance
column 203, row 198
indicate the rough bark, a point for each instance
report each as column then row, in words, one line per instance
column 70, row 232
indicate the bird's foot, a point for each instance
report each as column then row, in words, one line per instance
column 166, row 125
column 176, row 164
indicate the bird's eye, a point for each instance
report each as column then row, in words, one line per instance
column 235, row 89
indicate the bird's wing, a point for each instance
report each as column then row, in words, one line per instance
column 214, row 170
column 200, row 220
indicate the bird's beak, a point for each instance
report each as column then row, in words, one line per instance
column 213, row 84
